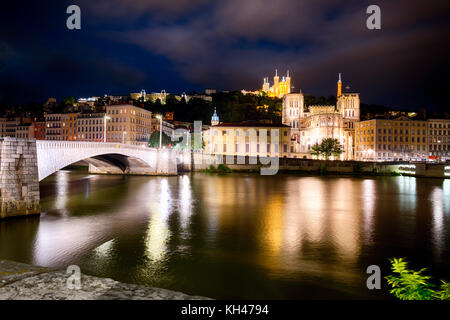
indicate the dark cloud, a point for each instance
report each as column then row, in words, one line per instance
column 236, row 43
column 131, row 9
column 185, row 44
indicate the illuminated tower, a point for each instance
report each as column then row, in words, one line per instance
column 288, row 83
column 339, row 87
column 276, row 81
column 266, row 85
column 215, row 118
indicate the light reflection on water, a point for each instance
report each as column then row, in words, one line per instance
column 236, row 236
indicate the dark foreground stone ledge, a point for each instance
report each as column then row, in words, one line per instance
column 20, row 281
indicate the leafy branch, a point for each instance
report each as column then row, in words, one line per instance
column 408, row 284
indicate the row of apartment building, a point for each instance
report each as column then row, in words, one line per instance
column 119, row 123
column 402, row 139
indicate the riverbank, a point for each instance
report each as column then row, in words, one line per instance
column 19, row 281
column 209, row 163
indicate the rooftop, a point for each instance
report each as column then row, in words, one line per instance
column 251, row 123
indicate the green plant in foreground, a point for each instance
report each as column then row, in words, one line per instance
column 444, row 293
column 409, row 284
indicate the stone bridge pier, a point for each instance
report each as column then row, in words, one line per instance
column 19, row 182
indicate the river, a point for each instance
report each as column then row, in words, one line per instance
column 237, row 235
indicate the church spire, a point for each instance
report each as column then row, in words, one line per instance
column 215, row 118
column 339, row 86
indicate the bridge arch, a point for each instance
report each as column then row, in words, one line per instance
column 55, row 155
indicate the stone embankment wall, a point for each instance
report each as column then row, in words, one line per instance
column 198, row 162
column 19, row 183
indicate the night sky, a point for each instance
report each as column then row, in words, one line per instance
column 189, row 45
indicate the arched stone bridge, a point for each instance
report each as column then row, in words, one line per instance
column 25, row 162
column 104, row 158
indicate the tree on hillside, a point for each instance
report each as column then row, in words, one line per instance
column 68, row 101
column 171, row 99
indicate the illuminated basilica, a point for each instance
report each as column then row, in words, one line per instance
column 313, row 124
column 279, row 88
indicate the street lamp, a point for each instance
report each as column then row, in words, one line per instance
column 158, row 116
column 123, row 136
column 104, row 130
column 370, row 152
column 188, row 140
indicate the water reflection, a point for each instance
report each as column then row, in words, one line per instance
column 185, row 206
column 158, row 232
column 62, row 194
column 407, row 188
column 437, row 205
column 369, row 198
column 235, row 236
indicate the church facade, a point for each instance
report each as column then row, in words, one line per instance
column 312, row 124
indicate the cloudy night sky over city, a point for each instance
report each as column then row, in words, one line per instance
column 189, row 45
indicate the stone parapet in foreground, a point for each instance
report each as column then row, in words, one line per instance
column 20, row 281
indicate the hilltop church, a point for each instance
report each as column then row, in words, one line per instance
column 313, row 124
column 279, row 88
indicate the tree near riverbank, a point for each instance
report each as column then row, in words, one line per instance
column 327, row 148
column 154, row 140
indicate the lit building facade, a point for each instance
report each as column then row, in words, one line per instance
column 129, row 124
column 39, row 130
column 90, row 127
column 439, row 139
column 8, row 126
column 25, row 131
column 400, row 139
column 60, row 126
column 53, row 126
column 313, row 124
column 280, row 87
column 142, row 96
column 69, row 126
column 248, row 138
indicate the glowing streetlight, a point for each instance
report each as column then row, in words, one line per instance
column 104, row 130
column 158, row 116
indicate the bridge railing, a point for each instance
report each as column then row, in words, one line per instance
column 50, row 144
